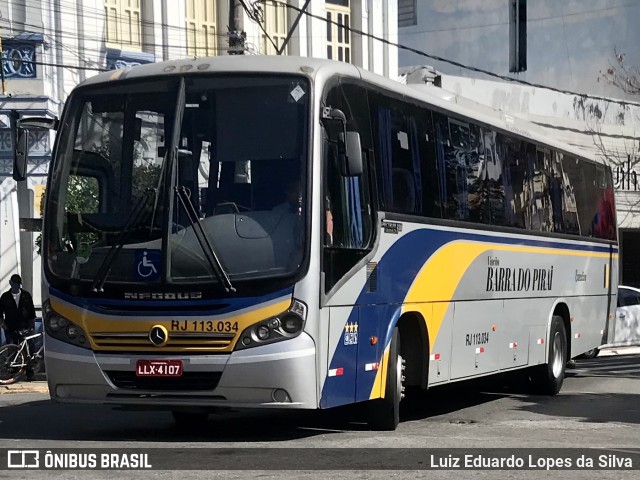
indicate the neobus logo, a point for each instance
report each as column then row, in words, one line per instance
column 162, row 295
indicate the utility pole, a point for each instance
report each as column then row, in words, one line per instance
column 4, row 83
column 236, row 38
column 24, row 211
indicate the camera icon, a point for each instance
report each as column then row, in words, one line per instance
column 23, row 459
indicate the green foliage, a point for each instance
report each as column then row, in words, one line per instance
column 82, row 194
column 145, row 176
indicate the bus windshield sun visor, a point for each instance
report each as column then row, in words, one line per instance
column 185, row 200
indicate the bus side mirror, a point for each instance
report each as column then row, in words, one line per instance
column 347, row 144
column 352, row 164
column 21, row 149
column 20, row 154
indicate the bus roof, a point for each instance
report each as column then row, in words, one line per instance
column 318, row 69
column 229, row 64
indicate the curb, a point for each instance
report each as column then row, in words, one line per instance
column 612, row 351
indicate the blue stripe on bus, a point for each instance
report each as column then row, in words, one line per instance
column 216, row 306
column 397, row 270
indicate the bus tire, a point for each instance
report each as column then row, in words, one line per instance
column 10, row 355
column 547, row 379
column 384, row 413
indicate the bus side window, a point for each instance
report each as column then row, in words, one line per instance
column 348, row 213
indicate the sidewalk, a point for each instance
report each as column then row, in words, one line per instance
column 39, row 385
column 609, row 351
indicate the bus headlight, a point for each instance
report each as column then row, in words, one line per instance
column 291, row 323
column 287, row 325
column 62, row 329
column 263, row 332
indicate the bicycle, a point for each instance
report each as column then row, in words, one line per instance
column 14, row 359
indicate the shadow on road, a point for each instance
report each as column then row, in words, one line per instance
column 45, row 420
column 420, row 405
column 620, row 366
column 594, row 407
column 587, row 407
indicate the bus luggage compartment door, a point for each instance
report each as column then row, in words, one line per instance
column 476, row 338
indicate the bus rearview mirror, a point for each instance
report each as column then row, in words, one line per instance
column 20, row 154
column 352, row 164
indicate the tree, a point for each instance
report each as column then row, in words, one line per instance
column 621, row 75
column 616, row 148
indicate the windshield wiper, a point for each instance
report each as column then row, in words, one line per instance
column 203, row 240
column 134, row 219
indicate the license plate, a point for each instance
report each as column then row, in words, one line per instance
column 159, row 368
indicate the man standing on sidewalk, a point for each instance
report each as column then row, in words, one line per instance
column 17, row 312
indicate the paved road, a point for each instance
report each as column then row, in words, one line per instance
column 598, row 408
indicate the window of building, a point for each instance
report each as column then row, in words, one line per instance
column 123, row 23
column 201, row 23
column 275, row 25
column 407, row 13
column 338, row 34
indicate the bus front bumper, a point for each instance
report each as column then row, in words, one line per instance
column 280, row 375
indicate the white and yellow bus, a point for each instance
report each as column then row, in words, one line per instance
column 287, row 232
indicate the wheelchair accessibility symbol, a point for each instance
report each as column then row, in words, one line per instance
column 148, row 264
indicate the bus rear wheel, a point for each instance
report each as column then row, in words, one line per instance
column 547, row 379
column 384, row 413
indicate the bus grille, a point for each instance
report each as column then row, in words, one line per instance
column 177, row 341
column 188, row 381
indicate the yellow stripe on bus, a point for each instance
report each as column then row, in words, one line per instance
column 94, row 323
column 434, row 286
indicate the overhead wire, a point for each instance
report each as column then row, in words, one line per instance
column 362, row 33
column 459, row 64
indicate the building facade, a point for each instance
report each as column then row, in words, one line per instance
column 569, row 46
column 50, row 46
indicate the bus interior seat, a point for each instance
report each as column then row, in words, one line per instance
column 403, row 183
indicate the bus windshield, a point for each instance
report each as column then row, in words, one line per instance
column 221, row 200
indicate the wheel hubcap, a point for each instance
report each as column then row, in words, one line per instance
column 558, row 356
column 400, row 366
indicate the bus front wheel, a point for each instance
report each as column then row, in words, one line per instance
column 547, row 379
column 384, row 413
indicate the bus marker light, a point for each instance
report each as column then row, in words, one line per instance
column 371, row 366
column 513, row 345
column 479, row 350
column 373, row 340
column 435, row 356
column 601, row 332
column 540, row 341
column 494, row 328
column 577, row 335
column 336, row 372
